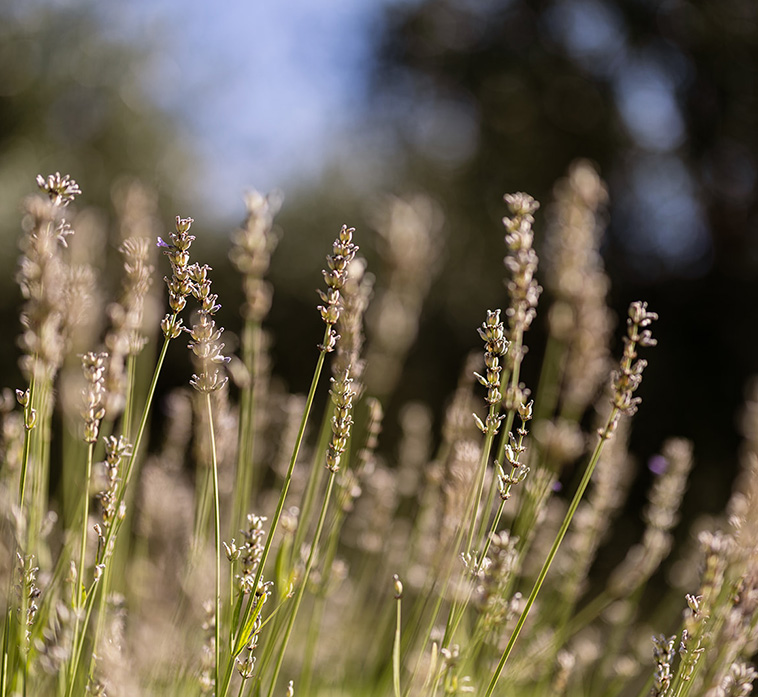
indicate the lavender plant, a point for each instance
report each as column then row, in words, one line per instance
column 334, row 566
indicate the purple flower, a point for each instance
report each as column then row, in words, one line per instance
column 657, row 464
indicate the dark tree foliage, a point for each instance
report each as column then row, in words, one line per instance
column 488, row 96
column 72, row 100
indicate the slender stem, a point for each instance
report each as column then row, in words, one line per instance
column 39, row 470
column 27, row 439
column 551, row 555
column 85, row 520
column 101, row 587
column 131, row 377
column 217, row 536
column 113, row 529
column 445, row 583
column 77, row 650
column 202, row 511
column 314, row 629
column 76, row 599
column 493, row 529
column 314, row 483
column 6, row 651
column 280, row 504
column 396, row 648
column 246, row 426
column 304, row 581
column 100, row 622
column 548, row 386
column 473, row 506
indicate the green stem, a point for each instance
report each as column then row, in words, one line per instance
column 6, row 652
column 314, row 629
column 76, row 599
column 27, row 440
column 493, row 529
column 100, row 622
column 131, row 378
column 85, row 520
column 303, row 582
column 548, row 386
column 246, row 428
column 76, row 654
column 396, row 649
column 99, row 588
column 217, row 536
column 551, row 555
column 473, row 505
column 314, row 483
column 280, row 504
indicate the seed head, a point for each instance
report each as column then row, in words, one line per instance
column 335, row 276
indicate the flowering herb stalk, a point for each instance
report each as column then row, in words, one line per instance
column 335, row 275
column 625, row 382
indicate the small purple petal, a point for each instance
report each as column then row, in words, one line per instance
column 557, row 486
column 657, row 464
column 163, row 243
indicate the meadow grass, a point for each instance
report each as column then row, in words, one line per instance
column 260, row 548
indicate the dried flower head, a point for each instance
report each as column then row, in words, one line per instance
column 579, row 318
column 492, row 333
column 179, row 285
column 250, row 552
column 93, row 365
column 627, row 379
column 343, row 252
column 342, row 398
column 251, row 254
column 44, row 276
column 521, row 261
column 206, row 344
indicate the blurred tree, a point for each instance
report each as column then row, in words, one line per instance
column 481, row 97
column 488, row 95
column 71, row 100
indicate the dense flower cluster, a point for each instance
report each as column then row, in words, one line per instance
column 335, row 276
column 179, row 285
column 342, row 397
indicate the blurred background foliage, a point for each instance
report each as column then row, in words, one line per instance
column 463, row 101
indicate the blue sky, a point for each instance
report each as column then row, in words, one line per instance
column 265, row 89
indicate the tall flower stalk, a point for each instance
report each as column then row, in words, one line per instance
column 254, row 243
column 179, row 287
column 335, row 275
column 342, row 421
column 207, row 349
column 43, row 280
column 625, row 382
